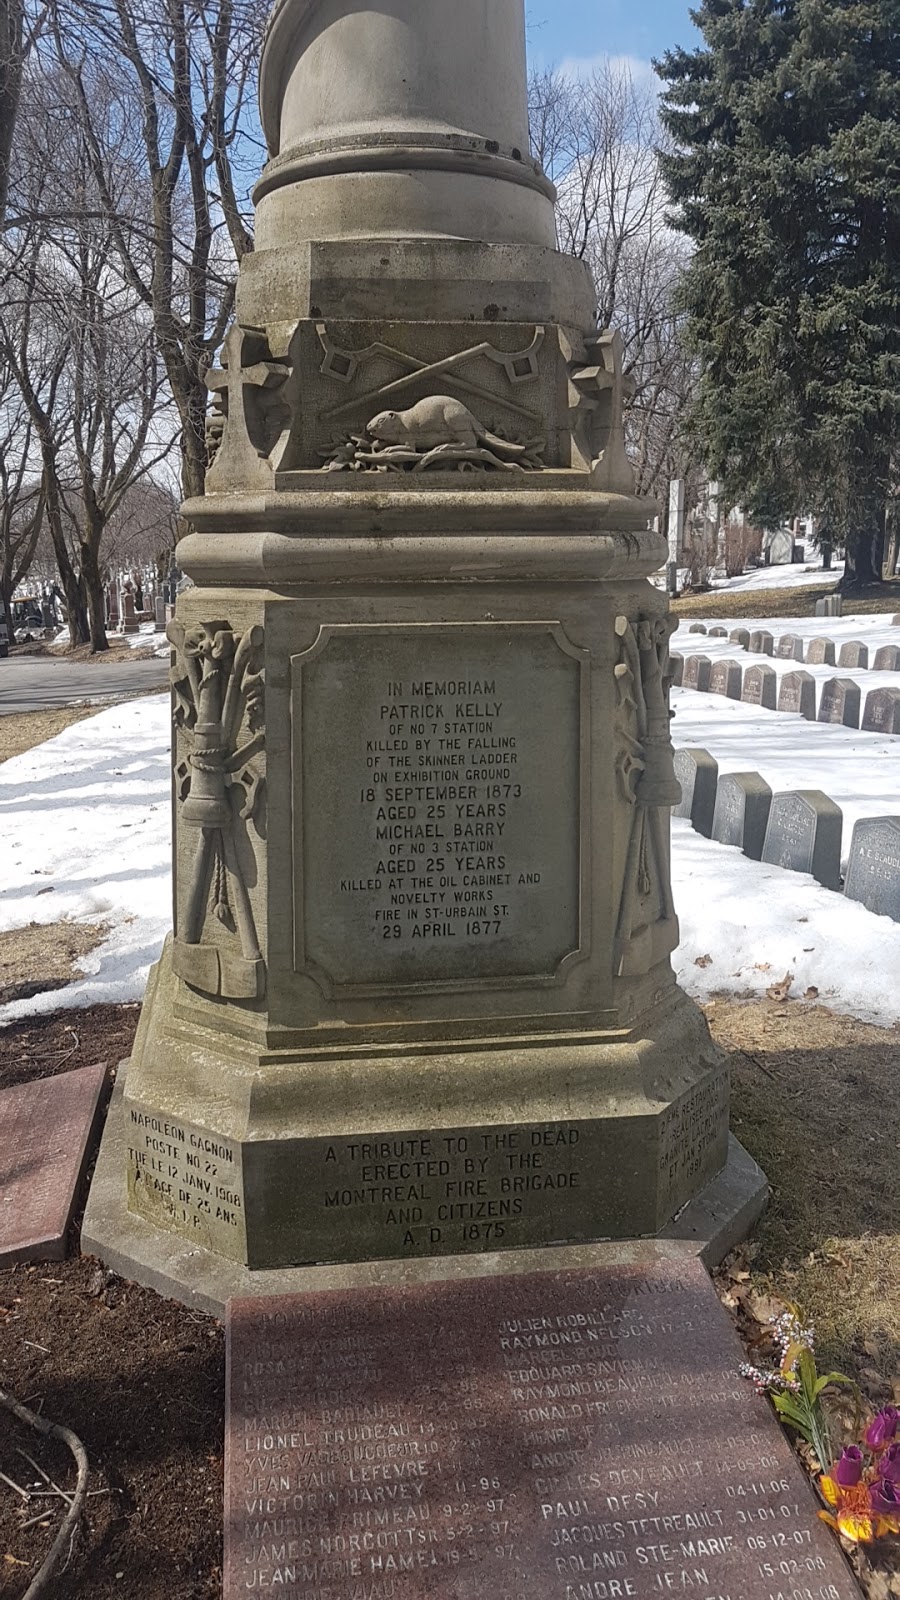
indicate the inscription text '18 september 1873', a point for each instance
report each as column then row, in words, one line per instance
column 440, row 815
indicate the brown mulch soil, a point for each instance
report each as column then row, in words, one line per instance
column 44, row 956
column 141, row 1379
column 22, row 730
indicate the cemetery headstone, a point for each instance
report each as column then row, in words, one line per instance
column 547, row 1437
column 129, row 623
column 873, row 872
column 820, row 653
column 159, row 617
column 895, row 619
column 887, row 658
column 47, row 1134
column 726, row 677
column 676, row 668
column 697, row 772
column 112, row 606
column 760, row 687
column 839, row 702
column 718, row 633
column 853, row 654
column 797, row 692
column 696, row 673
column 832, row 605
column 697, row 627
column 804, row 835
column 780, row 550
column 761, row 643
column 790, row 647
column 742, row 812
column 740, row 636
column 882, row 711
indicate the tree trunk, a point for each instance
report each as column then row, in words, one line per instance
column 96, row 598
column 73, row 589
column 11, row 58
column 6, row 614
column 864, row 555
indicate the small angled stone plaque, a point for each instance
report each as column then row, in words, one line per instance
column 853, row 654
column 718, row 633
column 697, row 772
column 790, row 647
column 726, row 677
column 840, row 702
column 740, row 636
column 804, row 835
column 696, row 673
column 873, row 873
column 742, row 812
column 576, row 1435
column 797, row 693
column 47, row 1130
column 761, row 643
column 760, row 687
column 676, row 668
column 820, row 653
column 887, row 659
column 882, row 713
column 697, row 627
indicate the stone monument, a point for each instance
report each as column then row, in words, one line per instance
column 418, row 1001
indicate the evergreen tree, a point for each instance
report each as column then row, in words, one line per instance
column 786, row 177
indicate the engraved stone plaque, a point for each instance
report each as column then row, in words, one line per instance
column 742, row 812
column 47, row 1133
column 438, row 831
column 873, row 873
column 185, row 1178
column 882, row 713
column 804, row 835
column 579, row 1435
column 697, row 772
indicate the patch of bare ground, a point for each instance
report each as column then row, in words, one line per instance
column 23, row 730
column 40, row 1047
column 43, row 956
column 785, row 601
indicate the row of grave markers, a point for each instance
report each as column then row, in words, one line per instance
column 800, row 830
column 818, row 652
column 840, row 700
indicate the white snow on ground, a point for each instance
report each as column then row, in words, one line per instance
column 799, row 575
column 874, row 629
column 146, row 639
column 87, row 816
column 757, row 923
column 85, row 834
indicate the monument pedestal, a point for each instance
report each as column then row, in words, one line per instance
column 418, row 1003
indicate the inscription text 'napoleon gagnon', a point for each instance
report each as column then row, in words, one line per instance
column 440, row 821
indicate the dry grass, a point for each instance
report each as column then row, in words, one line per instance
column 785, row 602
column 23, row 730
column 815, row 1099
column 43, row 956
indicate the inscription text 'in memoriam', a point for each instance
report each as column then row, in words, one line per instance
column 565, row 1436
column 440, row 820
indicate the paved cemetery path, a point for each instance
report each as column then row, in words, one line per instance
column 38, row 683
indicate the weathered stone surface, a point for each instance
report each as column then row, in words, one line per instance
column 740, row 636
column 742, row 812
column 895, row 619
column 780, row 549
column 696, row 673
column 697, row 772
column 804, row 835
column 853, row 654
column 873, row 871
column 882, row 712
column 820, row 653
column 697, row 627
column 760, row 687
column 726, row 677
column 840, row 702
column 789, row 647
column 831, row 606
column 47, row 1132
column 761, row 643
column 887, row 659
column 532, row 1437
column 676, row 668
column 718, row 633
column 797, row 692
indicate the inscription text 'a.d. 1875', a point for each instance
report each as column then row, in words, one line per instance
column 439, row 818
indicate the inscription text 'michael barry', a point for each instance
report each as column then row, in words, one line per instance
column 438, row 827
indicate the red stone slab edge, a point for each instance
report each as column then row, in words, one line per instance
column 578, row 1435
column 48, row 1130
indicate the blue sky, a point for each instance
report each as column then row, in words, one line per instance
column 575, row 30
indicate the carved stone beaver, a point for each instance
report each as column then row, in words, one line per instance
column 436, row 421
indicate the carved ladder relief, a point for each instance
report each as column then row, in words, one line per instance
column 218, row 688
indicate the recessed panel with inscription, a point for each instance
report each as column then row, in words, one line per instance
column 438, row 827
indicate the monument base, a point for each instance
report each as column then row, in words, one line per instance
column 708, row 1227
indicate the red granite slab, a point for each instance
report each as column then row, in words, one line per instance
column 565, row 1436
column 47, row 1132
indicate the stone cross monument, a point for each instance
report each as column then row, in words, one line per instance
column 418, row 1000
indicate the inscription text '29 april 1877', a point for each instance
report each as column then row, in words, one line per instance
column 439, row 816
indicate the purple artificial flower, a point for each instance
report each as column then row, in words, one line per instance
column 882, row 1429
column 889, row 1465
column 849, row 1469
column 884, row 1499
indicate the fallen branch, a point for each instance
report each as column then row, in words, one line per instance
column 51, row 1430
